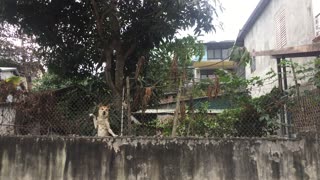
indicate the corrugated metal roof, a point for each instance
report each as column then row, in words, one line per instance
column 6, row 69
column 221, row 44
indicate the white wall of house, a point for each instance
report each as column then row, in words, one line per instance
column 5, row 75
column 316, row 6
column 316, row 13
column 298, row 28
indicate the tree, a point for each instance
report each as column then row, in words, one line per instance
column 18, row 50
column 162, row 70
column 79, row 37
column 183, row 51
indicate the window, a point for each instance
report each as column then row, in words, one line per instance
column 210, row 54
column 225, row 53
column 215, row 54
column 205, row 74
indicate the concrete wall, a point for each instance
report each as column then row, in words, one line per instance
column 27, row 158
column 262, row 36
column 7, row 118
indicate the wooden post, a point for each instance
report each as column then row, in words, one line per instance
column 279, row 74
column 282, row 116
column 295, row 80
column 128, row 106
column 285, row 79
column 191, row 109
column 177, row 110
column 285, row 108
column 122, row 111
column 300, row 102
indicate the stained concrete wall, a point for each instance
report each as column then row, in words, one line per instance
column 299, row 22
column 7, row 118
column 29, row 158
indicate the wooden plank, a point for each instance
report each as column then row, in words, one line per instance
column 296, row 51
column 214, row 64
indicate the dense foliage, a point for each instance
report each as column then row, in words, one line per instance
column 9, row 87
column 78, row 37
column 18, row 50
column 257, row 118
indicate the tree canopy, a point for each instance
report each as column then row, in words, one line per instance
column 80, row 37
column 18, row 50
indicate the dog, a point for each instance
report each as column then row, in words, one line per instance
column 101, row 123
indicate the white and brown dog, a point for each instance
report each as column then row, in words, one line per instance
column 101, row 123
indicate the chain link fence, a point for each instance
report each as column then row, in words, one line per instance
column 149, row 112
column 304, row 112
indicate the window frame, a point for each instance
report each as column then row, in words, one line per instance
column 212, row 53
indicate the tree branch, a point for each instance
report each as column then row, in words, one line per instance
column 108, row 55
column 98, row 19
column 129, row 51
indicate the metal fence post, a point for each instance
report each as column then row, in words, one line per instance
column 128, row 105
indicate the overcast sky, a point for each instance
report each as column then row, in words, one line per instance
column 233, row 18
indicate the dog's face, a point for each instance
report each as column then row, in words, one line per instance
column 104, row 111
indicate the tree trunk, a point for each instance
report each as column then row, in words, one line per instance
column 119, row 77
column 110, row 83
column 128, row 106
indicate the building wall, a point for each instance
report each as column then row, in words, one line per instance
column 38, row 158
column 316, row 7
column 5, row 75
column 316, row 13
column 262, row 36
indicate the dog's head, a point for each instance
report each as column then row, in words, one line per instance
column 104, row 111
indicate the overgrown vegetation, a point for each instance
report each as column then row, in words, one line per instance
column 89, row 47
column 80, row 37
column 254, row 117
column 9, row 87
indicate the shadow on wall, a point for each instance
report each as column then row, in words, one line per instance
column 157, row 159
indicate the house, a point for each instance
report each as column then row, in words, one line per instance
column 216, row 57
column 316, row 13
column 277, row 30
column 280, row 29
column 166, row 109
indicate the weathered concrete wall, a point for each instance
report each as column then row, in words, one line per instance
column 7, row 118
column 299, row 22
column 27, row 158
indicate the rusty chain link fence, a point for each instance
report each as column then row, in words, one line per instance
column 304, row 112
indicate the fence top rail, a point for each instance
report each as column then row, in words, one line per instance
column 132, row 138
column 172, row 111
